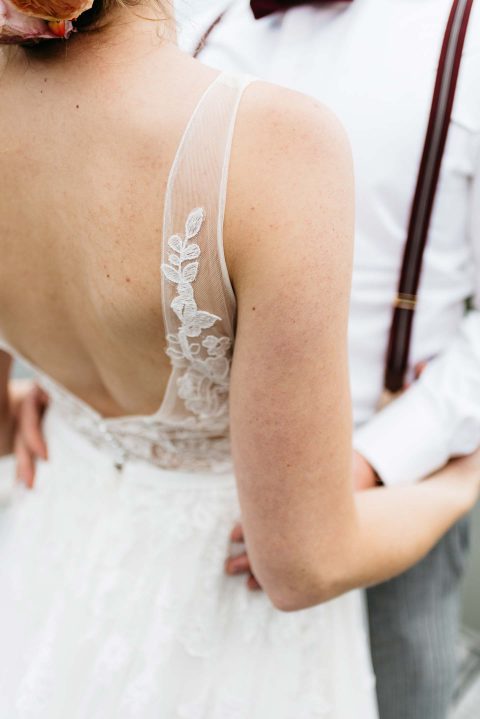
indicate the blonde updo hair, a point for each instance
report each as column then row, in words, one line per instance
column 98, row 11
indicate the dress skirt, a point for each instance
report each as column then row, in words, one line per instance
column 114, row 605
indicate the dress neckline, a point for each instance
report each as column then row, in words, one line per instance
column 74, row 399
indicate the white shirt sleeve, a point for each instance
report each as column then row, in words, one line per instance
column 438, row 417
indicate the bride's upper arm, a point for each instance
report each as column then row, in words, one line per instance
column 288, row 244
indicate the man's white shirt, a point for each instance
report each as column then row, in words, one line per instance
column 374, row 63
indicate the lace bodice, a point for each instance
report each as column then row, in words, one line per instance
column 190, row 431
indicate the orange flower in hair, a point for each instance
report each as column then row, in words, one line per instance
column 19, row 28
column 53, row 9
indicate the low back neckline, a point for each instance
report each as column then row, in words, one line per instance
column 68, row 394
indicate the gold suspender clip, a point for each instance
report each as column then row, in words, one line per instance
column 405, row 302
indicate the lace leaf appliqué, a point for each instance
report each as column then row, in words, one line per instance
column 203, row 384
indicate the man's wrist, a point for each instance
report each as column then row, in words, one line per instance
column 364, row 475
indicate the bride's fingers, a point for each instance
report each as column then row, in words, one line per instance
column 25, row 463
column 30, row 423
column 237, row 565
column 237, row 535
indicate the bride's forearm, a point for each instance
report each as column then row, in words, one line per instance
column 399, row 526
column 389, row 530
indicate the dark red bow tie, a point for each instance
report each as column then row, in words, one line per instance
column 262, row 8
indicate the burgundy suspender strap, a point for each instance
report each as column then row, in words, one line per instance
column 440, row 116
column 427, row 182
column 206, row 35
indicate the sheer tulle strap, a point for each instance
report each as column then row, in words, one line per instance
column 198, row 298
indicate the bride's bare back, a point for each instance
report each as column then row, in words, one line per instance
column 83, row 175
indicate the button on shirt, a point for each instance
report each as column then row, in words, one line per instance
column 374, row 63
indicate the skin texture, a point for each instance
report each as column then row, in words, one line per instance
column 80, row 226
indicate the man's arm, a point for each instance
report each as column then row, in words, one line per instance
column 438, row 417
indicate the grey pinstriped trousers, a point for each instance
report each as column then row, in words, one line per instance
column 414, row 623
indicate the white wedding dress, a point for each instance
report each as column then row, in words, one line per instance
column 113, row 599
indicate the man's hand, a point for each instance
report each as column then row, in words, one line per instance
column 30, row 403
column 239, row 563
column 364, row 477
column 16, row 391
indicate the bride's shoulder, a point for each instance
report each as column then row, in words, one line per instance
column 290, row 158
column 272, row 114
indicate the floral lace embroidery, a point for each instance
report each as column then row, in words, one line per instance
column 204, row 365
column 198, row 440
